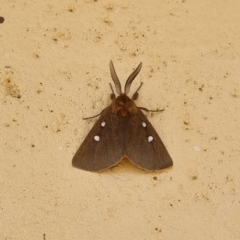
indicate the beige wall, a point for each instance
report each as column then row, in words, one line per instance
column 54, row 70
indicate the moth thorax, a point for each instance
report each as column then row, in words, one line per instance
column 123, row 106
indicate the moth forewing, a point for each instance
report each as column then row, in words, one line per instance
column 103, row 146
column 143, row 146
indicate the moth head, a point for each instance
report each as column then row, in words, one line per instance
column 128, row 82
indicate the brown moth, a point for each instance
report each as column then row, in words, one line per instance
column 122, row 130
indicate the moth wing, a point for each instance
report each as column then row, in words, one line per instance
column 94, row 155
column 143, row 146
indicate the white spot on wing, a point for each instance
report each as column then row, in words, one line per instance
column 96, row 138
column 144, row 124
column 103, row 124
column 150, row 138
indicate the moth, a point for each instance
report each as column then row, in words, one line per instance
column 122, row 130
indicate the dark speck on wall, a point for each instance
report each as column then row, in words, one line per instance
column 2, row 19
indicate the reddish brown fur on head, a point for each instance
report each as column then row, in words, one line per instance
column 123, row 106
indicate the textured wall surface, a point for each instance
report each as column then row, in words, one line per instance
column 54, row 70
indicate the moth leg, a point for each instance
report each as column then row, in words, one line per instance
column 95, row 115
column 135, row 95
column 112, row 95
column 148, row 110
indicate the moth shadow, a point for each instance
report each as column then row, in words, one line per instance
column 127, row 167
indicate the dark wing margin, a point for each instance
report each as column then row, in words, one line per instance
column 108, row 151
column 143, row 146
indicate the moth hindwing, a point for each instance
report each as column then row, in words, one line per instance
column 122, row 130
